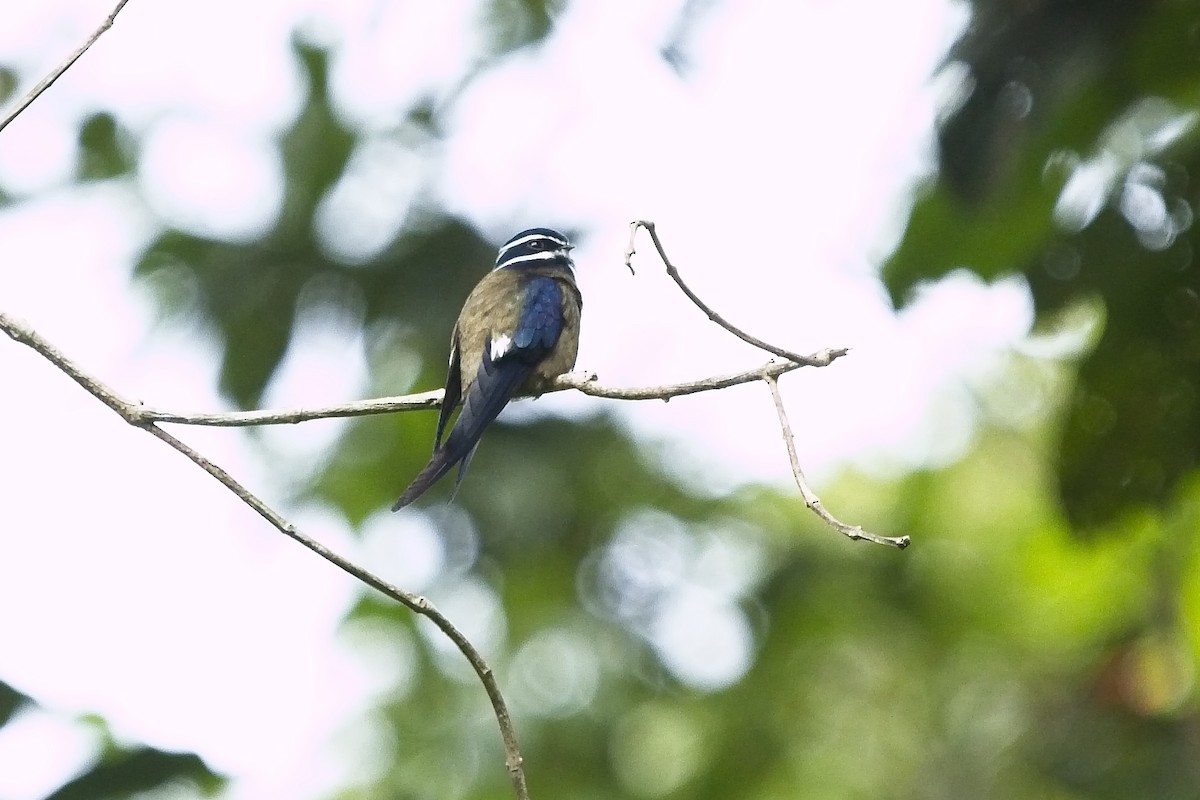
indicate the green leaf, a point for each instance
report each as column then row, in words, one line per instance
column 123, row 773
column 11, row 701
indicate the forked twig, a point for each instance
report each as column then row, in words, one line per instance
column 772, row 378
column 148, row 419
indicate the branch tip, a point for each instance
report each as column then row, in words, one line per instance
column 674, row 274
column 46, row 82
column 811, row 500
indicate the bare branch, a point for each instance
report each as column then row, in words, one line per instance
column 47, row 81
column 433, row 399
column 132, row 413
column 243, row 419
column 148, row 419
column 713, row 315
column 588, row 386
column 810, row 497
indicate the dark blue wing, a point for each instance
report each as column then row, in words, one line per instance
column 541, row 319
column 537, row 331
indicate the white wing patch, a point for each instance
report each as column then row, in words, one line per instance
column 500, row 346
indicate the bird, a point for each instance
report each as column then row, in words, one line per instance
column 518, row 330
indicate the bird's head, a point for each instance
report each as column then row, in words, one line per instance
column 536, row 246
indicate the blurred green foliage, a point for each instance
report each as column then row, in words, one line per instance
column 1072, row 161
column 120, row 770
column 127, row 772
column 1039, row 640
column 11, row 701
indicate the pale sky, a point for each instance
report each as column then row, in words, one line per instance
column 778, row 174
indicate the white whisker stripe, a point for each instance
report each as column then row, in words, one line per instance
column 551, row 255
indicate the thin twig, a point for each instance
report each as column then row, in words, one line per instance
column 810, row 497
column 771, row 376
column 433, row 399
column 243, row 419
column 47, row 81
column 713, row 315
column 132, row 413
column 589, row 387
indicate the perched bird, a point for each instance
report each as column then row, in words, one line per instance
column 517, row 332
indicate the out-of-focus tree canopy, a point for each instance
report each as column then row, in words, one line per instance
column 122, row 769
column 1071, row 160
column 1010, row 653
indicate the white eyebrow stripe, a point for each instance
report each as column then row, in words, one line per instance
column 530, row 238
column 548, row 255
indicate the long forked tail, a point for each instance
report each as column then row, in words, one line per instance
column 489, row 393
column 441, row 463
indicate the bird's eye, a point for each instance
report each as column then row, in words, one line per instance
column 536, row 245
